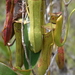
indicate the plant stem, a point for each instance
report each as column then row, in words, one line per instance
column 10, row 59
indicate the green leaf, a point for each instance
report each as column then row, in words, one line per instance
column 5, row 70
column 4, row 50
column 33, row 57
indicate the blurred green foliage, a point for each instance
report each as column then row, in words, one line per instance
column 2, row 12
column 69, row 45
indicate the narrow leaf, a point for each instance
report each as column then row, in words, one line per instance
column 5, row 70
column 33, row 57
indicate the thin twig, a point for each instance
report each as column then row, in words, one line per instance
column 52, row 60
column 48, row 11
column 67, row 3
column 65, row 15
column 24, row 46
column 27, row 9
